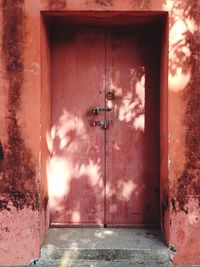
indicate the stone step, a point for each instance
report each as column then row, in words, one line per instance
column 101, row 264
column 78, row 246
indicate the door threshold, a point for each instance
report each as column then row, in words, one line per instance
column 78, row 225
column 73, row 225
column 136, row 245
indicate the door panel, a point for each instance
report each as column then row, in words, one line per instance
column 77, row 161
column 98, row 176
column 132, row 170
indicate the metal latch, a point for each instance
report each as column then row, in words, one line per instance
column 97, row 110
column 105, row 124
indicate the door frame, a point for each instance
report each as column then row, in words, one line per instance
column 50, row 19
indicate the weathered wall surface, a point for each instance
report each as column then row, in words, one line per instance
column 45, row 128
column 20, row 119
column 20, row 140
column 184, row 129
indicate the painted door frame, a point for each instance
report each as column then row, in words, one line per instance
column 95, row 18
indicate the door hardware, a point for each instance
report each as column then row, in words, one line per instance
column 110, row 96
column 104, row 124
column 97, row 110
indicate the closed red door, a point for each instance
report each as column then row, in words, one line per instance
column 102, row 169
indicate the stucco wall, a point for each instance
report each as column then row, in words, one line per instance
column 19, row 200
column 22, row 136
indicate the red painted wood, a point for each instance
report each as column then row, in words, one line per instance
column 118, row 185
column 78, row 73
column 132, row 143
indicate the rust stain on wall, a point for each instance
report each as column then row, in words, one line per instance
column 101, row 3
column 164, row 207
column 45, row 202
column 1, row 158
column 141, row 4
column 17, row 185
column 57, row 4
column 44, row 206
column 104, row 3
column 189, row 181
column 173, row 204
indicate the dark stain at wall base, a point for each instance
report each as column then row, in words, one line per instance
column 164, row 208
column 172, row 251
column 18, row 185
column 189, row 181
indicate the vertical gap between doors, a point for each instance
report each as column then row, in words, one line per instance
column 105, row 132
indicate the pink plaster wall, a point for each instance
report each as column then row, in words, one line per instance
column 45, row 129
column 19, row 190
column 184, row 129
column 22, row 95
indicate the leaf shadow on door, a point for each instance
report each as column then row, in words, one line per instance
column 133, row 141
column 77, row 175
column 133, row 173
column 75, row 182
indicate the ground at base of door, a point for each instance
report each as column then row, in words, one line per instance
column 104, row 247
column 96, row 247
column 101, row 264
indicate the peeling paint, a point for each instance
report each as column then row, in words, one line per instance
column 4, row 228
column 17, row 185
column 173, row 202
column 173, row 251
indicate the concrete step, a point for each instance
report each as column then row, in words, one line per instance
column 103, row 264
column 101, row 247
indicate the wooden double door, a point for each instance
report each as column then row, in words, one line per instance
column 104, row 129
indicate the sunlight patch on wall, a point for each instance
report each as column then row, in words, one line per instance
column 181, row 26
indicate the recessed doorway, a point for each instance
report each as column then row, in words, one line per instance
column 104, row 168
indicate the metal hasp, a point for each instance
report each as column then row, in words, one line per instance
column 97, row 110
column 105, row 124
